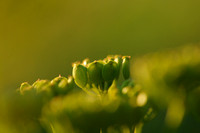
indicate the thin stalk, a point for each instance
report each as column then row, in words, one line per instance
column 103, row 130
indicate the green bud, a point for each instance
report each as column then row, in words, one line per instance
column 55, row 82
column 85, row 62
column 60, row 85
column 43, row 88
column 25, row 87
column 110, row 71
column 79, row 73
column 63, row 86
column 70, row 82
column 63, row 83
column 66, row 85
column 126, row 66
column 95, row 72
column 41, row 85
column 108, row 58
column 118, row 60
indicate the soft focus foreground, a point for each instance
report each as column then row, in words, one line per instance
column 172, row 80
column 164, row 84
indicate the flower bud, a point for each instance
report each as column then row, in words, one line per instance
column 108, row 58
column 63, row 86
column 70, row 82
column 126, row 66
column 79, row 73
column 85, row 62
column 25, row 87
column 95, row 72
column 118, row 60
column 43, row 89
column 110, row 71
column 60, row 85
column 41, row 85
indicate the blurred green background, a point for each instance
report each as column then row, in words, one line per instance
column 41, row 38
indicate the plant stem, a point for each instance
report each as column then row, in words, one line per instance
column 103, row 130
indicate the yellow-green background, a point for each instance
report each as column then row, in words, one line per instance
column 41, row 38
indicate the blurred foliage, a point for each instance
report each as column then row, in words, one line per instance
column 171, row 80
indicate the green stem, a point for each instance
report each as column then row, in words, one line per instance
column 138, row 128
column 132, row 129
column 103, row 130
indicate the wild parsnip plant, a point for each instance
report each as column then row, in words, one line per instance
column 112, row 102
column 110, row 96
